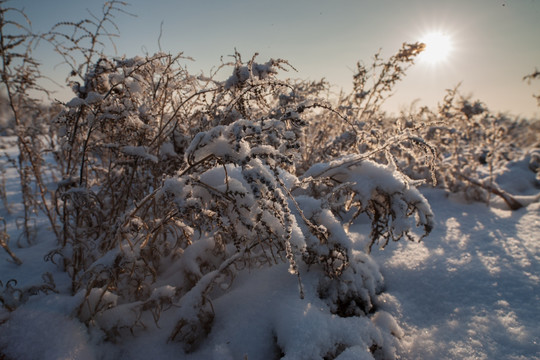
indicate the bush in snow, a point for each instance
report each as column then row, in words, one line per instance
column 128, row 127
column 473, row 145
column 238, row 204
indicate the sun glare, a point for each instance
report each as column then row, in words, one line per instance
column 438, row 47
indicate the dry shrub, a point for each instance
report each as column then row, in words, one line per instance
column 169, row 173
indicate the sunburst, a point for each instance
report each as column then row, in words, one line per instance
column 438, row 47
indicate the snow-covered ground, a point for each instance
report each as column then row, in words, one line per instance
column 471, row 290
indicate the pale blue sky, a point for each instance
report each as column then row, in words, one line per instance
column 496, row 42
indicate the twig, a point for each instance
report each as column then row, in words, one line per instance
column 3, row 242
column 508, row 199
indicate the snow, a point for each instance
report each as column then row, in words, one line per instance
column 43, row 332
column 470, row 290
column 75, row 102
column 139, row 151
column 259, row 71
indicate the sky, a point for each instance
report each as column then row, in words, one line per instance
column 494, row 43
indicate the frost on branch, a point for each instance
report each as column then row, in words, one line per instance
column 253, row 71
column 357, row 186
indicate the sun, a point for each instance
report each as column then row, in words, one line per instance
column 438, row 47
